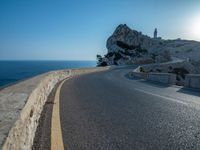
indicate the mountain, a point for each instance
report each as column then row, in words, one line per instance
column 127, row 46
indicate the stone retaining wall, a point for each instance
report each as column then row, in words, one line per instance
column 22, row 104
column 139, row 75
column 24, row 123
column 167, row 78
column 192, row 80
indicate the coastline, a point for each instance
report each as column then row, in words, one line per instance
column 22, row 104
column 27, row 78
column 24, row 69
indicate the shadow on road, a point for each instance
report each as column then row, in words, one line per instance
column 152, row 83
column 190, row 91
column 155, row 84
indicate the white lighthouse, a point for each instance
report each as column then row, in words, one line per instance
column 155, row 33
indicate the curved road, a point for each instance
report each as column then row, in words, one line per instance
column 107, row 111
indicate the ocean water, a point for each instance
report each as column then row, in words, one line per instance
column 14, row 71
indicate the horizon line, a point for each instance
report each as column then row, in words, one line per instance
column 42, row 60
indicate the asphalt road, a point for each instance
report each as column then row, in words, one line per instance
column 107, row 111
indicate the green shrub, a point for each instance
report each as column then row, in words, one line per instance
column 142, row 69
column 117, row 56
column 99, row 58
column 103, row 64
column 180, row 71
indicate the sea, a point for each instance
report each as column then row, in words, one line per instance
column 15, row 71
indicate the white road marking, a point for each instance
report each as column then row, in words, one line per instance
column 160, row 96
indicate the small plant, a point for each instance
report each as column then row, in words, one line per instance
column 180, row 72
column 99, row 58
column 103, row 64
column 142, row 69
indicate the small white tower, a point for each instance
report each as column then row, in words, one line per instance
column 155, row 33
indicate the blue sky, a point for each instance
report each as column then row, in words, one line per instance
column 78, row 29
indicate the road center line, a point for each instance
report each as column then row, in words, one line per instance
column 56, row 132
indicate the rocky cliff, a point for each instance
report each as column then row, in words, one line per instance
column 127, row 46
column 125, row 38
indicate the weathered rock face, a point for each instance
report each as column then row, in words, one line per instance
column 125, row 38
column 127, row 46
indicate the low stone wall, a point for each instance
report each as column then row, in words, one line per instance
column 22, row 118
column 167, row 78
column 138, row 75
column 22, row 104
column 169, row 66
column 192, row 81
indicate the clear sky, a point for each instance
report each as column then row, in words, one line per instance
column 78, row 29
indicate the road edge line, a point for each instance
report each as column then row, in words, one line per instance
column 56, row 132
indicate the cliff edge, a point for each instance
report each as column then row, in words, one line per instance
column 127, row 46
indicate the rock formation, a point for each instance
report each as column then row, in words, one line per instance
column 127, row 46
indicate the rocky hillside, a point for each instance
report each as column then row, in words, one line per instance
column 127, row 46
